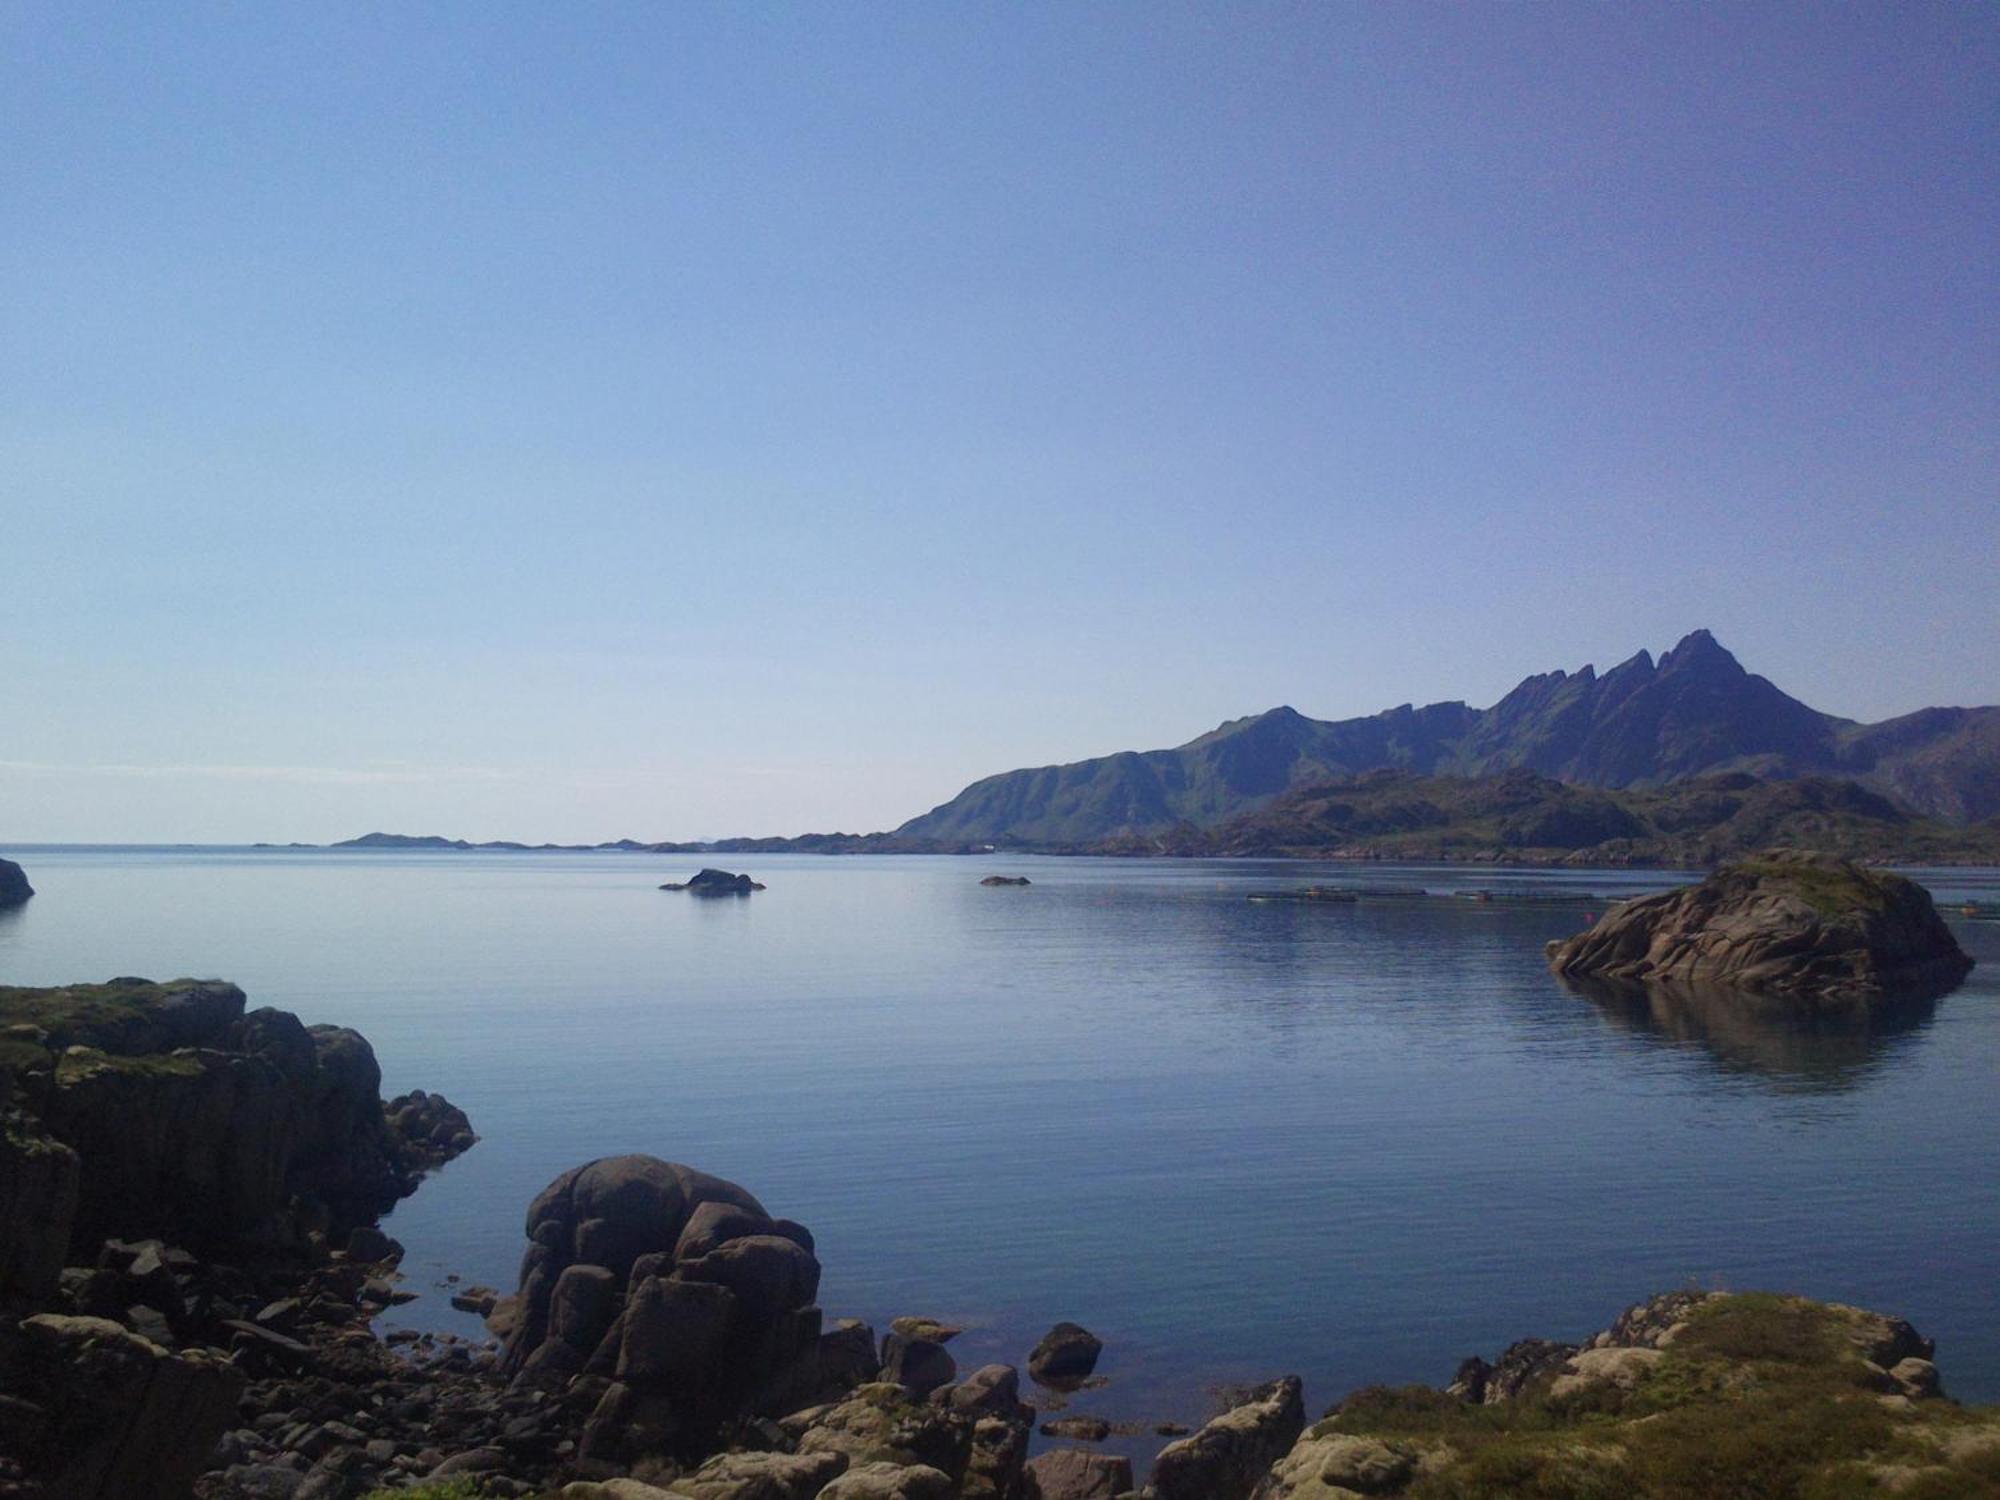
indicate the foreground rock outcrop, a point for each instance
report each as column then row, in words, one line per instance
column 195, row 1120
column 14, row 887
column 1810, row 928
column 189, row 1194
column 666, row 1343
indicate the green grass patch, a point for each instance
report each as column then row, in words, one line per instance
column 1760, row 1397
column 1832, row 892
column 460, row 1487
column 79, row 1063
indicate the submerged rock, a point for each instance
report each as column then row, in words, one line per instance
column 715, row 883
column 14, row 887
column 1812, row 928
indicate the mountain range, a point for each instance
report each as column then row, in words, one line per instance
column 1694, row 712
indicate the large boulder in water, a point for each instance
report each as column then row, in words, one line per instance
column 14, row 887
column 1810, row 927
column 678, row 1286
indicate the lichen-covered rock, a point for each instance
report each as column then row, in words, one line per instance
column 1334, row 1466
column 1077, row 1474
column 759, row 1476
column 880, row 1424
column 1810, row 928
column 1228, row 1458
column 122, row 1416
column 1621, row 1368
column 884, row 1481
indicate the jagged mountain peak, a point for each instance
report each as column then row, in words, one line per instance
column 1700, row 651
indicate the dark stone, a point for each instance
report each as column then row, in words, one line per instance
column 713, row 1225
column 583, row 1306
column 1067, row 1353
column 675, row 1332
column 847, row 1356
column 124, row 1417
column 1078, row 1474
column 769, row 1275
column 368, row 1244
column 14, row 887
column 990, row 1390
column 919, row 1366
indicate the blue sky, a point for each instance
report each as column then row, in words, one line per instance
column 580, row 421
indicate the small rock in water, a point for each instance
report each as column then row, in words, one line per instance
column 1067, row 1353
column 715, row 883
column 1080, row 1429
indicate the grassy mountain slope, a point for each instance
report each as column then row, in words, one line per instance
column 1522, row 815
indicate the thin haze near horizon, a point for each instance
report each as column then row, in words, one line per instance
column 556, row 422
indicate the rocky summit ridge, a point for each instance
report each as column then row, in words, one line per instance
column 1694, row 711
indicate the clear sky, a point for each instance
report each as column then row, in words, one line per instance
column 573, row 421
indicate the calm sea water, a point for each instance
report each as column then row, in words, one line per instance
column 1236, row 1139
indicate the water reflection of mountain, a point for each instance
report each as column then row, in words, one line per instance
column 1795, row 1051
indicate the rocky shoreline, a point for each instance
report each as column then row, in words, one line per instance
column 665, row 1343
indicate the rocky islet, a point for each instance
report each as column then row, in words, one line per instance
column 714, row 883
column 1809, row 928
